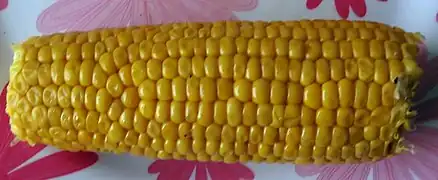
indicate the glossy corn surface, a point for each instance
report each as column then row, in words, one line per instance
column 310, row 91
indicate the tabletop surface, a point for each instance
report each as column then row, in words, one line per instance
column 20, row 19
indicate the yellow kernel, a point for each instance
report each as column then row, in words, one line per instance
column 130, row 97
column 103, row 100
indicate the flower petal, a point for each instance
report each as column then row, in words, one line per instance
column 359, row 7
column 343, row 8
column 308, row 170
column 220, row 171
column 312, row 4
column 16, row 155
column 83, row 15
column 361, row 172
column 172, row 169
column 382, row 171
column 55, row 165
column 401, row 170
column 5, row 132
column 201, row 171
column 3, row 4
column 237, row 5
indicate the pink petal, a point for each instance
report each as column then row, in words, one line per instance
column 344, row 171
column 436, row 17
column 401, row 170
column 418, row 168
column 206, row 10
column 359, row 7
column 361, row 172
column 3, row 4
column 383, row 171
column 83, row 15
column 5, row 133
column 201, row 171
column 308, row 170
column 342, row 7
column 427, row 110
column 312, row 4
column 237, row 5
column 328, row 173
column 16, row 155
column 55, row 165
column 172, row 169
column 229, row 171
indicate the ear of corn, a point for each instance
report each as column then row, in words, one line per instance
column 305, row 91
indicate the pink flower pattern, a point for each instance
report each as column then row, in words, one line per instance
column 13, row 155
column 3, row 4
column 359, row 7
column 182, row 170
column 423, row 163
column 82, row 15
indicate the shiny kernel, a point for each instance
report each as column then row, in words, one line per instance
column 207, row 89
column 377, row 50
column 255, row 134
column 345, row 117
column 314, row 49
column 249, row 113
column 234, row 112
column 242, row 90
column 213, row 132
column 388, row 90
column 212, row 47
column 225, row 66
column 330, row 96
column 355, row 135
column 159, row 51
column 169, row 131
column 242, row 134
column 308, row 136
column 44, row 72
column 130, row 97
column 103, row 100
column 396, row 68
column 278, row 93
column 346, row 93
column 99, row 77
column 339, row 137
column 106, row 61
column 325, row 117
column 374, row 96
column 170, row 68
column 308, row 73
column 253, row 69
column 34, row 95
column 361, row 117
column 330, row 49
column 224, row 88
column 162, row 113
column 312, row 96
column 264, row 114
column 351, row 69
column 323, row 136
column 267, row 47
column 125, row 75
column 103, row 123
column 153, row 69
column 360, row 94
column 91, row 121
column 261, row 94
column 86, row 72
column 114, row 86
column 296, row 49
column 191, row 112
column 126, row 118
column 322, row 70
column 346, row 49
column 220, row 112
column 307, row 116
column 366, row 69
column 66, row 118
column 282, row 47
column 30, row 72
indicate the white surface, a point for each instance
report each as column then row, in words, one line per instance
column 17, row 22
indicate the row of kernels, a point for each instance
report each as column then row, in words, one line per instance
column 297, row 48
column 217, row 29
column 358, row 94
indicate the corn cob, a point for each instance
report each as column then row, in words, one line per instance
column 309, row 91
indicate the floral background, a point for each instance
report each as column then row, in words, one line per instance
column 21, row 162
